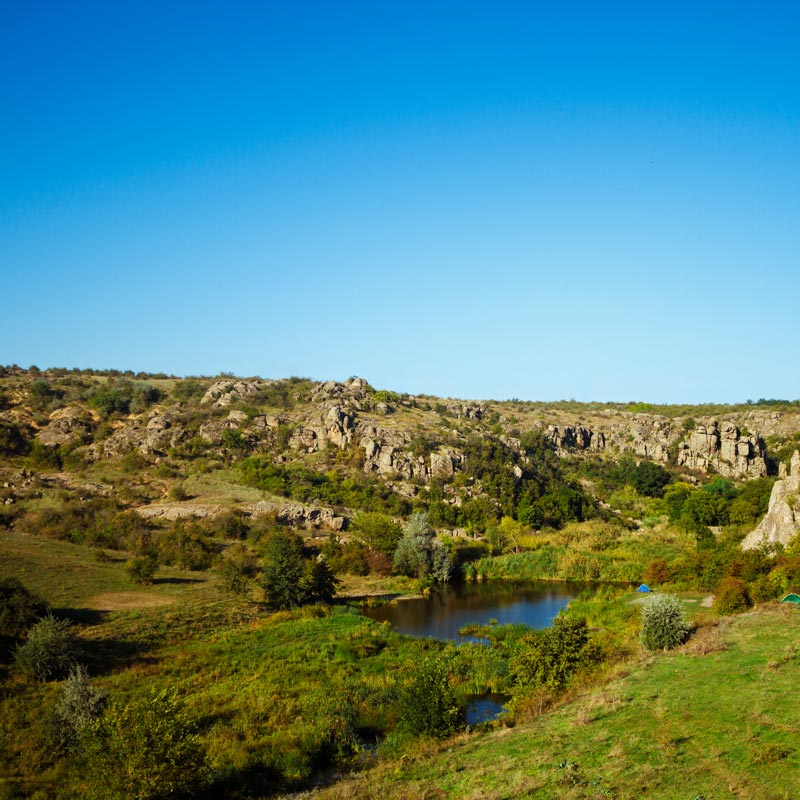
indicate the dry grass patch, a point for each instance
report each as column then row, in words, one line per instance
column 707, row 639
column 127, row 601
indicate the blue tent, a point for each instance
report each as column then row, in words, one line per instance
column 643, row 587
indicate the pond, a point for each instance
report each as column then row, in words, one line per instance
column 447, row 610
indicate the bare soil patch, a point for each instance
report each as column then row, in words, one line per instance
column 127, row 601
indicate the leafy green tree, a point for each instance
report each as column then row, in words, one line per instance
column 144, row 750
column 48, row 652
column 752, row 501
column 429, row 705
column 551, row 657
column 505, row 536
column 20, row 609
column 320, row 583
column 283, row 577
column 378, row 532
column 663, row 622
column 649, row 479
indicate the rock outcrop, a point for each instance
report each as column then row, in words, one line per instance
column 782, row 520
column 710, row 446
column 299, row 515
column 224, row 392
column 154, row 434
column 725, row 449
column 69, row 425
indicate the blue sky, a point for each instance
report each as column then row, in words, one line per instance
column 586, row 200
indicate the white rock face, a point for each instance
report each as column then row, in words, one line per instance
column 782, row 521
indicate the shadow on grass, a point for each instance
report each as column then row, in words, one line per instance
column 251, row 781
column 104, row 656
column 157, row 581
column 81, row 616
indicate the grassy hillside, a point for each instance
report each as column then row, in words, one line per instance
column 716, row 718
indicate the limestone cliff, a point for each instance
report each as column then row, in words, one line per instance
column 710, row 446
column 782, row 521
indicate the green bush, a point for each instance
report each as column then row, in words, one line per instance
column 79, row 705
column 20, row 609
column 48, row 652
column 429, row 705
column 551, row 657
column 144, row 750
column 12, row 440
column 731, row 596
column 142, row 568
column 663, row 622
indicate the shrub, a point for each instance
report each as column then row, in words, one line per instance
column 187, row 546
column 657, row 571
column 554, row 655
column 142, row 568
column 12, row 440
column 19, row 608
column 79, row 705
column 233, row 577
column 731, row 596
column 663, row 623
column 429, row 705
column 48, row 651
column 144, row 750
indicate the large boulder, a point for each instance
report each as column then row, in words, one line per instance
column 69, row 425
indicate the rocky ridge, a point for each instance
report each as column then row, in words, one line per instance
column 343, row 415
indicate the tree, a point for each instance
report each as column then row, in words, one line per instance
column 429, row 705
column 663, row 623
column 418, row 553
column 80, row 704
column 142, row 568
column 48, row 651
column 378, row 532
column 284, row 570
column 144, row 750
column 649, row 479
column 320, row 583
column 19, row 608
column 550, row 658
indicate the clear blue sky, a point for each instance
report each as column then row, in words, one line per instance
column 589, row 200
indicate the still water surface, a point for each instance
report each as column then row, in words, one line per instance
column 447, row 610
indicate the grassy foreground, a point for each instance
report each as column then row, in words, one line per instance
column 717, row 718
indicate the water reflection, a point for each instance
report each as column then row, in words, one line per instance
column 486, row 707
column 448, row 609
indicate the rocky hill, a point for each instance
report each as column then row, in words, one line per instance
column 73, row 421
